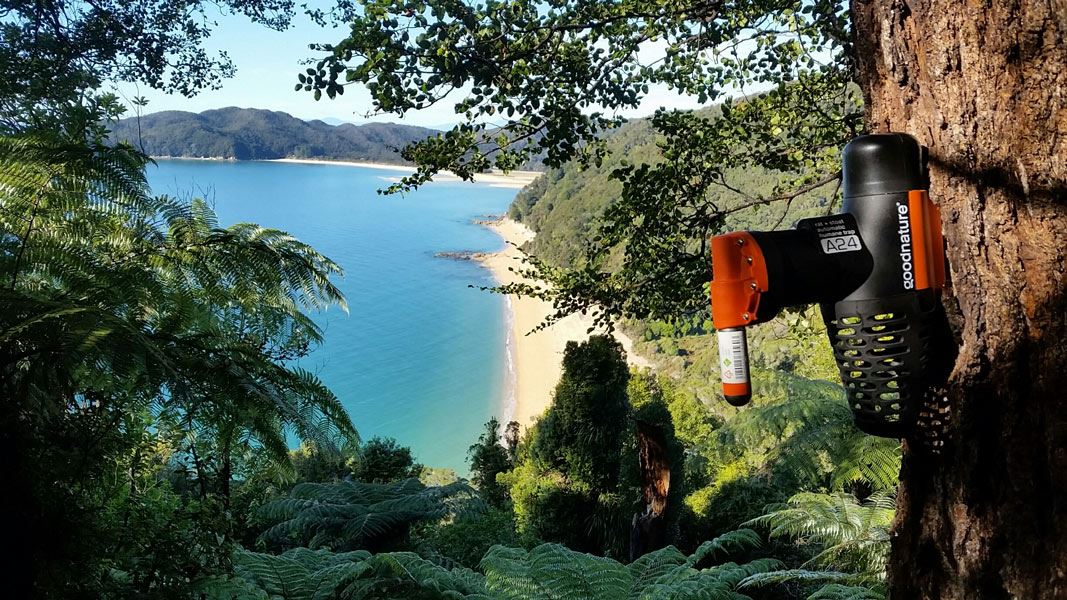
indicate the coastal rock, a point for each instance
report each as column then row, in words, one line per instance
column 487, row 220
column 462, row 255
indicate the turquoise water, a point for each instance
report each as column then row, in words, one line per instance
column 420, row 356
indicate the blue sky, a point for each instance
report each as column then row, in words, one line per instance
column 267, row 65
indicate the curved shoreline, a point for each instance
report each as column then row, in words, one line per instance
column 534, row 358
column 514, row 179
column 510, row 403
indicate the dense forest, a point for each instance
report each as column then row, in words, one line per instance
column 254, row 134
column 149, row 387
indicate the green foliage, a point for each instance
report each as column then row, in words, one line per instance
column 320, row 574
column 651, row 420
column 465, row 539
column 319, row 465
column 566, row 484
column 552, row 571
column 565, row 205
column 725, row 545
column 137, row 328
column 539, row 69
column 581, row 432
column 853, row 535
column 167, row 540
column 529, row 487
column 806, row 430
column 728, row 503
column 830, row 584
column 488, row 459
column 58, row 54
column 694, row 424
column 349, row 515
column 438, row 476
column 836, row 591
column 383, row 460
column 546, row 571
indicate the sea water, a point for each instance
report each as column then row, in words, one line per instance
column 420, row 355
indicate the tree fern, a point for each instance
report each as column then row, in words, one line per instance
column 554, row 571
column 660, row 565
column 141, row 301
column 853, row 535
column 300, row 574
column 548, row 571
column 727, row 544
column 853, row 585
column 405, row 571
column 836, row 591
column 347, row 515
column 303, row 574
column 808, row 431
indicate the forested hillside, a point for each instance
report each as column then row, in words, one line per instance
column 255, row 134
column 565, row 205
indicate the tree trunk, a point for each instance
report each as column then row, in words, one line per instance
column 648, row 529
column 984, row 85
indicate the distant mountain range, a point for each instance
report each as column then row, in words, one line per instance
column 256, row 134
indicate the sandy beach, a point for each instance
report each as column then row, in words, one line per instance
column 514, row 179
column 535, row 358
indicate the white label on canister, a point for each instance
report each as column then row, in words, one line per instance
column 841, row 243
column 733, row 356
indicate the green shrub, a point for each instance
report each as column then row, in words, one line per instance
column 465, row 539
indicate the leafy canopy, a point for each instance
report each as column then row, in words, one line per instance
column 489, row 458
column 383, row 460
column 533, row 77
column 57, row 55
column 136, row 328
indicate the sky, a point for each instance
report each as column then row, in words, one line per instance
column 267, row 65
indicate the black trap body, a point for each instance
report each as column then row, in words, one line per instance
column 876, row 271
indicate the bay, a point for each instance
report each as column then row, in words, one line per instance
column 420, row 356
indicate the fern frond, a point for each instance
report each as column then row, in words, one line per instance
column 809, row 433
column 348, row 514
column 724, row 546
column 656, row 566
column 836, row 591
column 802, row 575
column 104, row 283
column 553, row 571
column 854, row 535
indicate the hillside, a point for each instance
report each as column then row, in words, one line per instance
column 257, row 134
column 564, row 206
column 254, row 134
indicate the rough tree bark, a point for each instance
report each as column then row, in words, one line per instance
column 983, row 83
column 648, row 529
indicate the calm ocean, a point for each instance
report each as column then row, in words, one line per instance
column 420, row 356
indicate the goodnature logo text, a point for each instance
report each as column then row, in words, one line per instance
column 904, row 231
